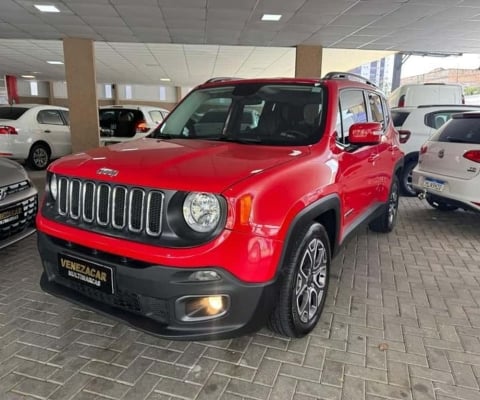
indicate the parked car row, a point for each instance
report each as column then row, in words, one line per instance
column 38, row 134
column 214, row 194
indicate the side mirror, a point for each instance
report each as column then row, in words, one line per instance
column 365, row 133
column 404, row 135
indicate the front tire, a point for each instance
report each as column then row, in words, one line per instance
column 39, row 156
column 385, row 222
column 303, row 283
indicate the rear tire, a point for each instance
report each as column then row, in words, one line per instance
column 439, row 205
column 406, row 179
column 303, row 283
column 385, row 222
column 39, row 156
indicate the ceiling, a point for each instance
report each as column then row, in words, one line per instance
column 188, row 41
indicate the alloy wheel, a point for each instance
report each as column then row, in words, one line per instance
column 311, row 281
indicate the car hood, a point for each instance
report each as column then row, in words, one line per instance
column 11, row 172
column 178, row 164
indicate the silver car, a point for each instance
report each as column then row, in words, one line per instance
column 18, row 203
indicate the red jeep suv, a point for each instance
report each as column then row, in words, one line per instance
column 219, row 223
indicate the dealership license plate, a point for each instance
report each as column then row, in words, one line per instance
column 10, row 215
column 86, row 272
column 435, row 184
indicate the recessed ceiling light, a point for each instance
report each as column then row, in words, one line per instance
column 165, row 79
column 55, row 62
column 271, row 17
column 28, row 76
column 46, row 8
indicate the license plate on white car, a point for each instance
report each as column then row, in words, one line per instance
column 434, row 184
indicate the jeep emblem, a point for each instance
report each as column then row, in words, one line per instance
column 107, row 171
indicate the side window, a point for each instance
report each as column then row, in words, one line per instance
column 352, row 109
column 436, row 119
column 375, row 102
column 51, row 117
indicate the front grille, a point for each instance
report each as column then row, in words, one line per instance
column 128, row 210
column 25, row 213
column 13, row 188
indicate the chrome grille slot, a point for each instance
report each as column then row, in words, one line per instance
column 135, row 210
column 88, row 201
column 63, row 196
column 74, row 194
column 119, row 211
column 154, row 213
column 110, row 208
column 103, row 204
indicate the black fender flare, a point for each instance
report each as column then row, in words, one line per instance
column 313, row 212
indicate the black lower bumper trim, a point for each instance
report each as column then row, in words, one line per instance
column 145, row 297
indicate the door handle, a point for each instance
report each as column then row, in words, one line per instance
column 373, row 158
column 47, row 131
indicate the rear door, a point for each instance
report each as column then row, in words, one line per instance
column 55, row 130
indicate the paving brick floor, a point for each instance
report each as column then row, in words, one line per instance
column 402, row 322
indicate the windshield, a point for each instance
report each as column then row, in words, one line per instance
column 273, row 114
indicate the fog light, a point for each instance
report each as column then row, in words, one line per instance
column 197, row 308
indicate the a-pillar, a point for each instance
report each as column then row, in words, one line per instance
column 79, row 56
column 308, row 61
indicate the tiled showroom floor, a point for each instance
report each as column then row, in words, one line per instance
column 402, row 322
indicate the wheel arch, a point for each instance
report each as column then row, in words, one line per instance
column 43, row 143
column 411, row 156
column 325, row 211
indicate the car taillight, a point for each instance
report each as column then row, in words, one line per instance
column 401, row 101
column 423, row 149
column 142, row 126
column 8, row 130
column 473, row 155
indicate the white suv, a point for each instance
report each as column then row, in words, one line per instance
column 33, row 132
column 448, row 170
column 127, row 122
column 421, row 122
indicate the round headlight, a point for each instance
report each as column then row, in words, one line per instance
column 201, row 211
column 53, row 186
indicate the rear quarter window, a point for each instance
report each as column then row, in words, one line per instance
column 399, row 117
column 461, row 130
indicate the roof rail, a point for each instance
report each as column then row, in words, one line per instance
column 221, row 79
column 348, row 75
column 449, row 105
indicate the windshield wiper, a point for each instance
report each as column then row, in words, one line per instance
column 163, row 136
column 242, row 140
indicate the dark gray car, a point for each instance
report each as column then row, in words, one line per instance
column 18, row 203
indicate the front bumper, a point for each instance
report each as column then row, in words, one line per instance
column 145, row 295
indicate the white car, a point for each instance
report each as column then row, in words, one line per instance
column 35, row 133
column 421, row 122
column 127, row 122
column 448, row 170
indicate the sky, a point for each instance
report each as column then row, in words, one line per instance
column 416, row 65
